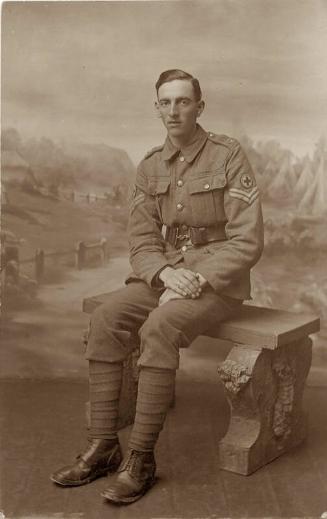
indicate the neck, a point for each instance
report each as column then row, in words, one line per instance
column 183, row 140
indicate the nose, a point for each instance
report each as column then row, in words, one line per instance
column 173, row 108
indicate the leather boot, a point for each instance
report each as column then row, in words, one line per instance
column 134, row 478
column 99, row 458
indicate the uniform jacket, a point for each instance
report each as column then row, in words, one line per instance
column 208, row 183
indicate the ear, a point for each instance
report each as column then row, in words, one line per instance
column 157, row 107
column 201, row 105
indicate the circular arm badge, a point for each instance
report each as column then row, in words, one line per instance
column 246, row 181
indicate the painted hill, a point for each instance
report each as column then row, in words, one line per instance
column 15, row 170
column 97, row 167
column 47, row 223
column 102, row 166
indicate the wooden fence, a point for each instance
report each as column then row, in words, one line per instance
column 82, row 250
column 75, row 196
column 11, row 263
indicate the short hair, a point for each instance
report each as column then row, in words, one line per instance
column 171, row 75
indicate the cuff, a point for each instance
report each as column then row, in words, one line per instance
column 156, row 281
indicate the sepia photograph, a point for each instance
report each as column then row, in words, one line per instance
column 163, row 259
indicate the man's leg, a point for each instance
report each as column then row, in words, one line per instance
column 168, row 327
column 112, row 326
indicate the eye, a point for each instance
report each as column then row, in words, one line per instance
column 164, row 103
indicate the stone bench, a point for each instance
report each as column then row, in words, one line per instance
column 264, row 377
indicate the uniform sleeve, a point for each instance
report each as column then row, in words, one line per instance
column 244, row 227
column 146, row 243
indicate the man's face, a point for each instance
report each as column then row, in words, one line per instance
column 178, row 108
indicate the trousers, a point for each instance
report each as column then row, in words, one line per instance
column 131, row 315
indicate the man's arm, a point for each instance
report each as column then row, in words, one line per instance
column 244, row 227
column 146, row 243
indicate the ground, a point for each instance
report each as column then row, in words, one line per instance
column 43, row 393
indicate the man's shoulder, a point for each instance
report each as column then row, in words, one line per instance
column 150, row 159
column 223, row 140
column 153, row 151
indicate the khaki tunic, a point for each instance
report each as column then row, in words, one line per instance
column 209, row 183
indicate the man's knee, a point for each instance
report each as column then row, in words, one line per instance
column 160, row 341
column 115, row 313
column 109, row 339
column 162, row 324
column 104, row 313
column 171, row 321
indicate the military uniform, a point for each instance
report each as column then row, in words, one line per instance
column 197, row 207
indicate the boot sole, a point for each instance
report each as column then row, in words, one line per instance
column 127, row 500
column 68, row 483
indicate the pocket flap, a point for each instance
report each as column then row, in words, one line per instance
column 158, row 187
column 206, row 184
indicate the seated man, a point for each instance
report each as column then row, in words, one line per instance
column 195, row 231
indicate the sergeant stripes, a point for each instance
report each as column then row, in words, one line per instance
column 247, row 196
column 136, row 201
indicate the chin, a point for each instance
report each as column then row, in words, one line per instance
column 175, row 132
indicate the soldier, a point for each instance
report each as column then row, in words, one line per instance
column 195, row 231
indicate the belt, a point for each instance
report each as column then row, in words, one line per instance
column 177, row 235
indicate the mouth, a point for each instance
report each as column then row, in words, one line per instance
column 174, row 123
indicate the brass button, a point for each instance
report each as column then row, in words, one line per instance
column 179, row 207
column 184, row 248
column 206, row 186
column 181, row 159
column 184, row 227
column 180, row 183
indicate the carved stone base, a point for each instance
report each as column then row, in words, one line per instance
column 264, row 389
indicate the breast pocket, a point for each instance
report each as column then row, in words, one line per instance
column 207, row 198
column 159, row 188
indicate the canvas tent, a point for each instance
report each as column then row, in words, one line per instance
column 283, row 182
column 315, row 199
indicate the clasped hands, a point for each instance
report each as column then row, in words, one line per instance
column 180, row 284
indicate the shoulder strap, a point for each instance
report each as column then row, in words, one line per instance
column 153, row 150
column 224, row 140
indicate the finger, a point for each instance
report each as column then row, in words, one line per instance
column 185, row 286
column 182, row 289
column 189, row 275
column 181, row 283
column 171, row 282
column 189, row 287
column 177, row 279
column 192, row 284
column 190, row 278
column 197, row 293
column 183, row 280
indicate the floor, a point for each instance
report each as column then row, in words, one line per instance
column 43, row 427
column 43, row 389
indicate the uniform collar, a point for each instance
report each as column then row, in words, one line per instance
column 190, row 151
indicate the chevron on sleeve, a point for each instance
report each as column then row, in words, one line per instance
column 247, row 196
